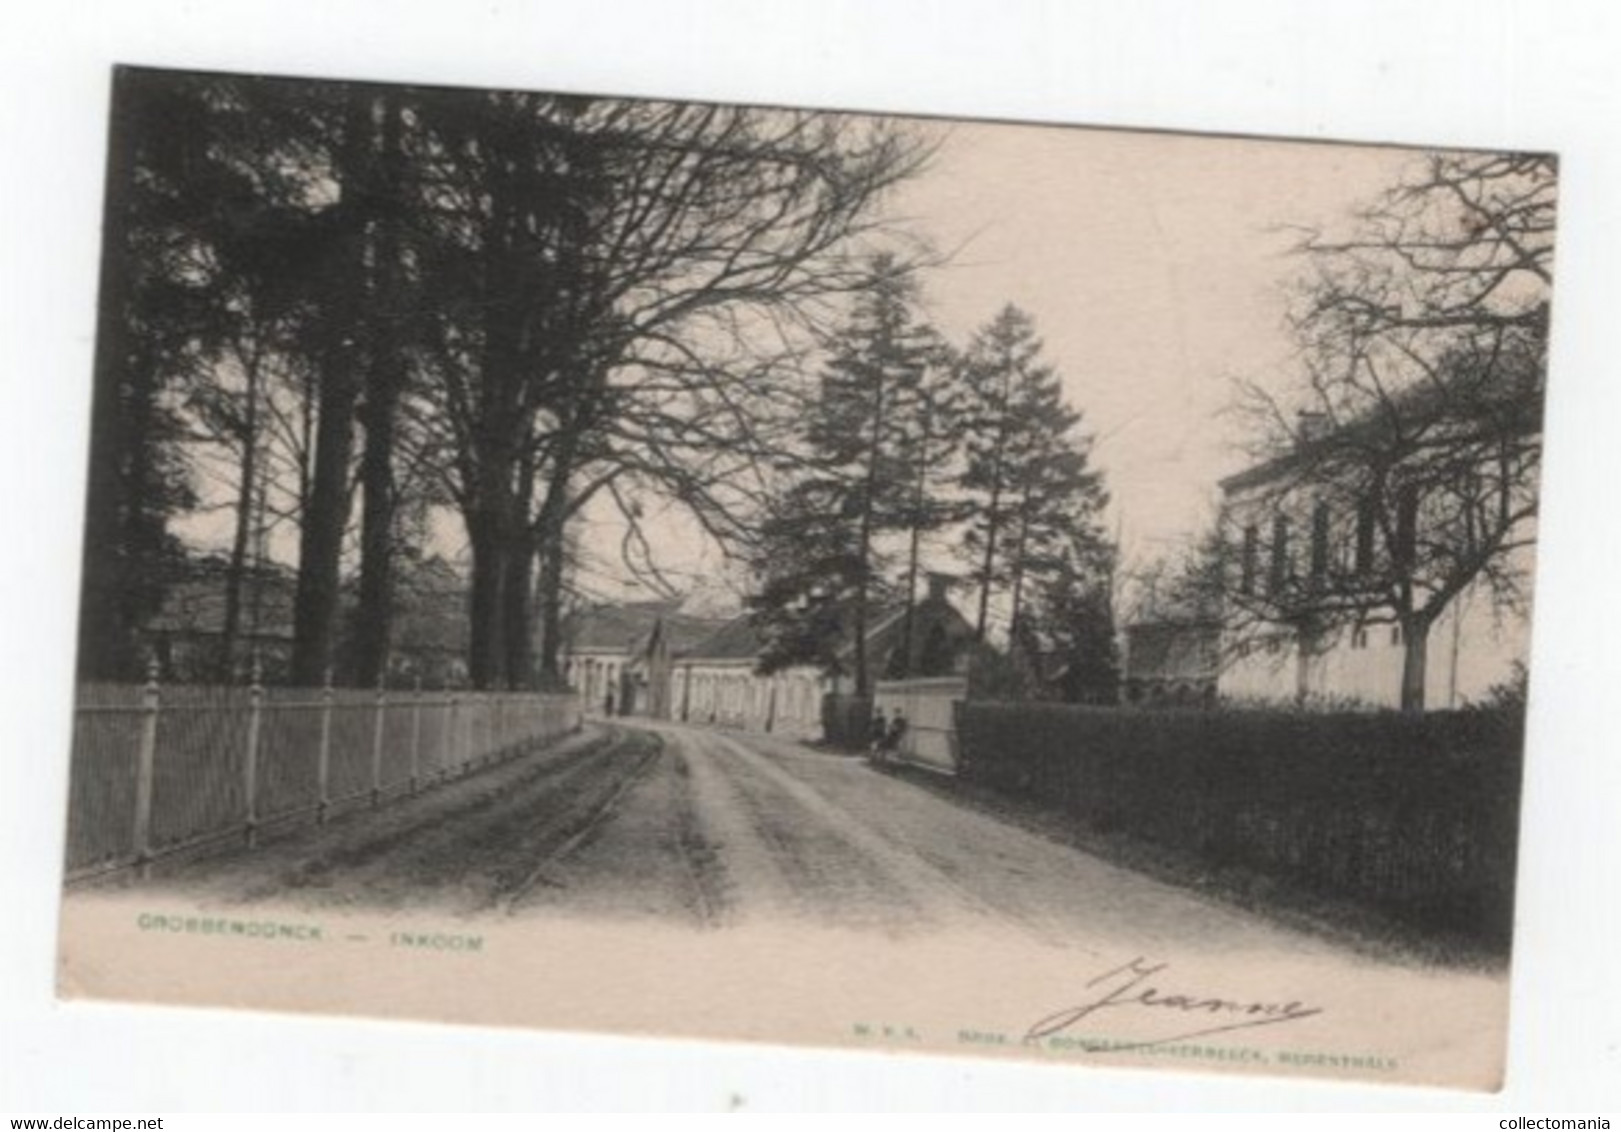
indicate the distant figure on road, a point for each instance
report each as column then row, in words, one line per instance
column 897, row 732
column 886, row 739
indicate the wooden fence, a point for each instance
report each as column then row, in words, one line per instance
column 155, row 770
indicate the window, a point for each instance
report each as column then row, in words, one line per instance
column 1319, row 545
column 1366, row 518
column 1246, row 579
column 1406, row 545
column 1280, row 553
column 1359, row 639
column 1395, row 634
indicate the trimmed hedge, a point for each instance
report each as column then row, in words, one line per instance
column 1415, row 815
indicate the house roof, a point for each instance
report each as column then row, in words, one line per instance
column 430, row 613
column 1503, row 405
column 1172, row 650
column 196, row 604
column 627, row 628
column 432, row 620
column 739, row 639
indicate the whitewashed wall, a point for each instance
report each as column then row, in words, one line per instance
column 728, row 693
column 928, row 708
column 1473, row 647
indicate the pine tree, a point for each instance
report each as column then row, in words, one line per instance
column 1027, row 470
column 874, row 428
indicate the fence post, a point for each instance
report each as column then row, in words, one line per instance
column 323, row 759
column 416, row 735
column 145, row 766
column 250, row 761
column 377, row 741
column 454, row 736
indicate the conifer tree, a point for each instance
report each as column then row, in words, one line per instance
column 1033, row 496
column 874, row 428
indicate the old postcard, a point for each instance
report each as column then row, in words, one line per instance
column 750, row 573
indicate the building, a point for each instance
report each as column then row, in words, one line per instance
column 1172, row 661
column 188, row 637
column 618, row 657
column 1316, row 546
column 718, row 682
column 648, row 659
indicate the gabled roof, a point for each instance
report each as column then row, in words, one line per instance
column 627, row 628
column 1425, row 403
column 430, row 611
column 680, row 632
column 737, row 639
column 1172, row 649
column 610, row 627
column 196, row 604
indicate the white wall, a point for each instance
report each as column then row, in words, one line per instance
column 1473, row 647
column 731, row 694
column 593, row 675
column 928, row 706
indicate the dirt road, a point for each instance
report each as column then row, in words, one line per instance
column 738, row 885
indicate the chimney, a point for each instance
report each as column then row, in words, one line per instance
column 939, row 584
column 1311, row 425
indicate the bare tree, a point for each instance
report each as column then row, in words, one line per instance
column 647, row 268
column 1403, row 470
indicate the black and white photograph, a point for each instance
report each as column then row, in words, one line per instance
column 935, row 584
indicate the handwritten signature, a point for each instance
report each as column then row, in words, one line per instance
column 1127, row 987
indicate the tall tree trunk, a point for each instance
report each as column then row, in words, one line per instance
column 487, row 600
column 993, row 520
column 123, row 394
column 385, row 384
column 519, row 641
column 317, row 599
column 549, row 595
column 1018, row 559
column 864, row 542
column 501, row 424
column 1305, row 653
column 375, row 599
column 909, row 626
column 550, row 528
column 859, row 629
column 920, row 486
column 245, row 516
column 1415, row 662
